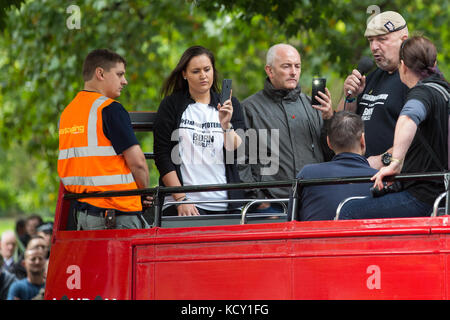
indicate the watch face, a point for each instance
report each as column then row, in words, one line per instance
column 386, row 158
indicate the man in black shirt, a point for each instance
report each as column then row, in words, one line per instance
column 379, row 98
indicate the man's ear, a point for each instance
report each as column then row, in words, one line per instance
column 362, row 141
column 268, row 70
column 328, row 143
column 99, row 72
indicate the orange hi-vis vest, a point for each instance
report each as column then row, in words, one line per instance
column 87, row 161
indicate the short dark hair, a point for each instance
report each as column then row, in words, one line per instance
column 345, row 129
column 175, row 81
column 102, row 58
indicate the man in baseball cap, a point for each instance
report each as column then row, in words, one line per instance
column 383, row 23
column 379, row 98
column 386, row 31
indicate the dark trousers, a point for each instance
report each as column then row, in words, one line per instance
column 391, row 205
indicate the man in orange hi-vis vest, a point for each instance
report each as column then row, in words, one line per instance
column 98, row 150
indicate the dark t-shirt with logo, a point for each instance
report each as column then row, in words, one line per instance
column 379, row 107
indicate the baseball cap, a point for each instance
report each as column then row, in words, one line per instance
column 384, row 22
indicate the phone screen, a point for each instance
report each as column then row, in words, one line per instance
column 226, row 90
column 318, row 84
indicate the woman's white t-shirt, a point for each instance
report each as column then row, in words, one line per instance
column 201, row 154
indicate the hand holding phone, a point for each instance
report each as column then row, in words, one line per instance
column 226, row 90
column 318, row 84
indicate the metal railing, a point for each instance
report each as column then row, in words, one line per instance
column 296, row 185
column 252, row 202
column 338, row 210
column 244, row 210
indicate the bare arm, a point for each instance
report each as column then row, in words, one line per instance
column 231, row 139
column 170, row 179
column 405, row 130
column 135, row 159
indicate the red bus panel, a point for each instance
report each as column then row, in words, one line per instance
column 360, row 259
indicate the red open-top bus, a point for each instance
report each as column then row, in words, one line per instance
column 251, row 256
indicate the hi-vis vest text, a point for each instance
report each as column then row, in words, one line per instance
column 87, row 161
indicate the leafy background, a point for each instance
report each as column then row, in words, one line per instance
column 41, row 60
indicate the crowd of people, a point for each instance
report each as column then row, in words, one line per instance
column 380, row 128
column 24, row 254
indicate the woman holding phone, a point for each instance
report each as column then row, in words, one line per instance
column 195, row 137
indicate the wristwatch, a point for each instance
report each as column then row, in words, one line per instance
column 386, row 158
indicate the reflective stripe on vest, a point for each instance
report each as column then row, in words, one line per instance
column 86, row 152
column 92, row 122
column 98, row 181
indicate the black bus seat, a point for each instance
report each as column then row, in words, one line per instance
column 143, row 121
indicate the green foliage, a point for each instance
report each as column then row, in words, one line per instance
column 330, row 32
column 41, row 60
column 6, row 5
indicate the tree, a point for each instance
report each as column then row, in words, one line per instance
column 5, row 6
column 336, row 27
column 44, row 43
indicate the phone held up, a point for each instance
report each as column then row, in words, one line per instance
column 226, row 90
column 318, row 84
